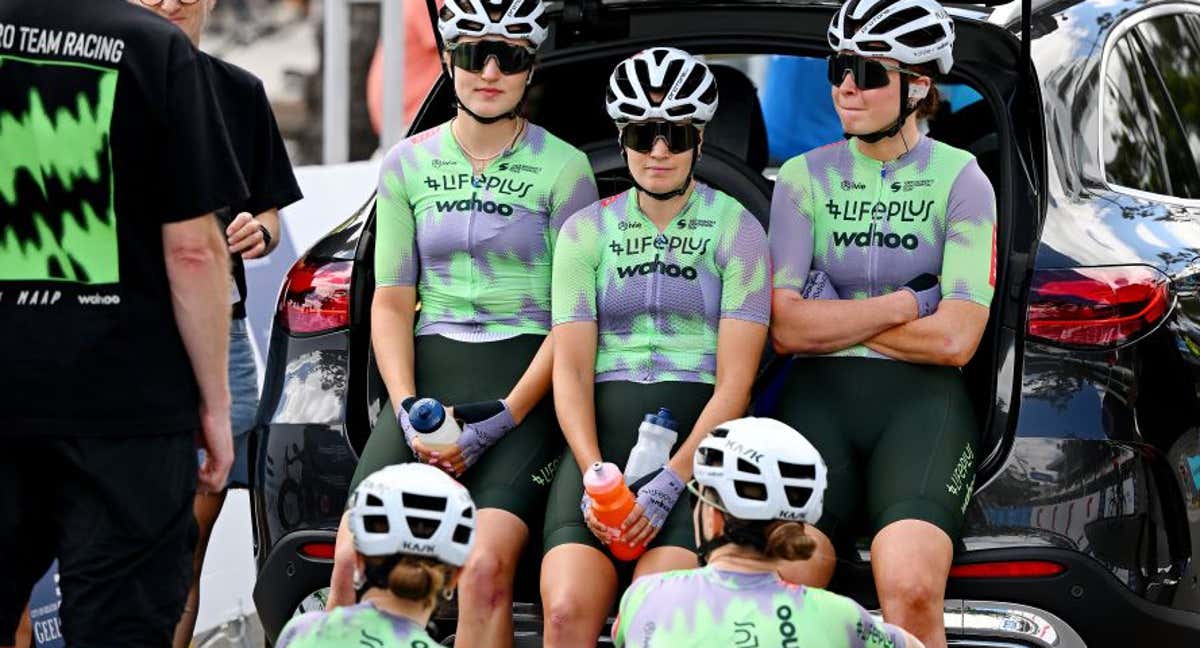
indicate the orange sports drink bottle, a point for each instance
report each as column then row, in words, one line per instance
column 612, row 502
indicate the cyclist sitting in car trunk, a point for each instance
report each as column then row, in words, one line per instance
column 413, row 527
column 467, row 216
column 900, row 231
column 661, row 299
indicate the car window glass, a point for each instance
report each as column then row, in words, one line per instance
column 1171, row 70
column 1131, row 151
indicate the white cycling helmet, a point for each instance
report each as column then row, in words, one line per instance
column 516, row 19
column 688, row 86
column 414, row 509
column 910, row 31
column 763, row 470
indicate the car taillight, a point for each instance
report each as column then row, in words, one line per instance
column 316, row 296
column 1008, row 569
column 1096, row 307
column 318, row 550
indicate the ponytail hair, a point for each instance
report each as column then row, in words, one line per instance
column 415, row 578
column 788, row 541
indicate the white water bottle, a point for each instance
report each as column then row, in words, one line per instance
column 436, row 430
column 656, row 436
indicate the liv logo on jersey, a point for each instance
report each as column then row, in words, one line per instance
column 873, row 238
column 474, row 204
column 657, row 266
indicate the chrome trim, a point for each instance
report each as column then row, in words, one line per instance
column 1009, row 621
column 1127, row 23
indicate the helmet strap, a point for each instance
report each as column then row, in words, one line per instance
column 674, row 193
column 892, row 130
column 512, row 114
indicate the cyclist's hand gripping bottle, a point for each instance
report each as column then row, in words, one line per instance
column 656, row 437
column 436, row 430
column 612, row 502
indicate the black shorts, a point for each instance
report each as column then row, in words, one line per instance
column 117, row 514
column 898, row 439
column 515, row 474
column 620, row 407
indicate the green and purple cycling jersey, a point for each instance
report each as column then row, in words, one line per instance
column 710, row 608
column 353, row 627
column 658, row 297
column 872, row 226
column 478, row 247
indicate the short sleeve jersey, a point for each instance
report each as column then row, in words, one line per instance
column 658, row 297
column 108, row 130
column 353, row 627
column 872, row 226
column 477, row 247
column 261, row 154
column 709, row 608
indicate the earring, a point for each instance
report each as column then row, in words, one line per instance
column 358, row 581
column 448, row 594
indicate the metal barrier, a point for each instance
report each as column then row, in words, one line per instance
column 335, row 119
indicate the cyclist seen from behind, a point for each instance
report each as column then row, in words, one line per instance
column 759, row 484
column 898, row 232
column 661, row 299
column 467, row 216
column 413, row 527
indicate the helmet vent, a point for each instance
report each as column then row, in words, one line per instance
column 421, row 528
column 522, row 28
column 470, row 25
column 468, row 513
column 625, row 86
column 797, row 471
column 695, row 78
column 526, row 8
column 674, row 69
column 711, row 457
column 464, row 5
column 750, row 490
column 373, row 500
column 424, row 502
column 900, row 19
column 924, row 36
column 720, row 432
column 376, row 523
column 462, row 534
column 797, row 496
column 631, row 109
column 680, row 111
column 746, row 466
column 660, row 55
column 874, row 46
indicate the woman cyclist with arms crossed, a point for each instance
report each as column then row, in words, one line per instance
column 900, row 229
column 467, row 216
column 759, row 484
column 413, row 527
column 661, row 299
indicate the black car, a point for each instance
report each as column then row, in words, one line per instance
column 1086, row 519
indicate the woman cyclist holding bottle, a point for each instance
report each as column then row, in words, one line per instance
column 413, row 527
column 760, row 484
column 467, row 217
column 901, row 230
column 661, row 298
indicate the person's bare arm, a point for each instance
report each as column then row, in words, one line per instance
column 574, row 384
column 739, row 348
column 950, row 336
column 534, row 383
column 817, row 326
column 393, row 313
column 198, row 273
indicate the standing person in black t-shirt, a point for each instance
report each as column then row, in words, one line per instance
column 114, row 294
column 252, row 231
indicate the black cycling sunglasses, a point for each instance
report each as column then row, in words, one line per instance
column 868, row 73
column 473, row 56
column 641, row 136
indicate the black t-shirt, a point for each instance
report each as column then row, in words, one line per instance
column 260, row 152
column 111, row 131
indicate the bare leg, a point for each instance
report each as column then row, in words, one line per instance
column 485, row 589
column 341, row 581
column 911, row 560
column 664, row 559
column 579, row 586
column 816, row 571
column 206, row 508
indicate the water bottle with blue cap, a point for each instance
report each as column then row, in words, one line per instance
column 656, row 437
column 436, row 430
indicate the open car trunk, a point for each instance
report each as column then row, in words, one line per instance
column 1004, row 131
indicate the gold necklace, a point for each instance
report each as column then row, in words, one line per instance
column 476, row 158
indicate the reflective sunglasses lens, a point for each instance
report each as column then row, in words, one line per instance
column 868, row 74
column 642, row 136
column 473, row 56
